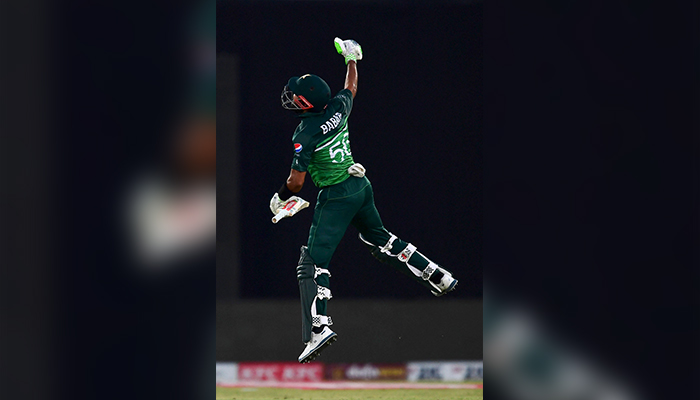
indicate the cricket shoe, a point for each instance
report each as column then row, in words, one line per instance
column 318, row 342
column 447, row 284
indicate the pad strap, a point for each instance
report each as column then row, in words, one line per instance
column 406, row 254
column 320, row 320
column 386, row 249
column 323, row 293
column 320, row 271
column 428, row 271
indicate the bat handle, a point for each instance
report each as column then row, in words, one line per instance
column 283, row 213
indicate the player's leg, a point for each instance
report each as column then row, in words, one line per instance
column 332, row 215
column 401, row 255
column 314, row 293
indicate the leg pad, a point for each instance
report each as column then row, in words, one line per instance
column 401, row 260
column 310, row 292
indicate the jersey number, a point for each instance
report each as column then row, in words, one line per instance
column 335, row 149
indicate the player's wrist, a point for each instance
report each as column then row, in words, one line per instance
column 284, row 193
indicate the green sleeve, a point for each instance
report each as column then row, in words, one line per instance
column 344, row 97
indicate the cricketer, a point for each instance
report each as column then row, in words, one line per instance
column 322, row 149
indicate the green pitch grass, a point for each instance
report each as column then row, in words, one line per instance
column 360, row 394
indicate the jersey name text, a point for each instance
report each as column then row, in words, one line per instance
column 331, row 123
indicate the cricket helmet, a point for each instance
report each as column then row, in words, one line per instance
column 312, row 93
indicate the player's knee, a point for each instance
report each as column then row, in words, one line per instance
column 390, row 246
column 376, row 250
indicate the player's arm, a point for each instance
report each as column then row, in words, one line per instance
column 289, row 189
column 352, row 52
column 351, row 77
column 294, row 183
column 284, row 202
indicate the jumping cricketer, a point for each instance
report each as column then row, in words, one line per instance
column 322, row 149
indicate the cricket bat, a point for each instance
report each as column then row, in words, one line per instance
column 293, row 206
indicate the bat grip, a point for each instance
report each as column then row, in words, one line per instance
column 280, row 215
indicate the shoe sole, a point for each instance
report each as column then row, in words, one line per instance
column 312, row 356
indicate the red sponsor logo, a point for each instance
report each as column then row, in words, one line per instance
column 297, row 147
column 290, row 205
column 280, row 372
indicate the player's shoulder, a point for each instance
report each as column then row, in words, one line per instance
column 343, row 96
column 307, row 131
column 341, row 102
column 345, row 93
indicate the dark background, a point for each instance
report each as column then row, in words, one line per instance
column 591, row 182
column 416, row 126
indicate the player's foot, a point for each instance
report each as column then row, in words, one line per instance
column 318, row 342
column 447, row 284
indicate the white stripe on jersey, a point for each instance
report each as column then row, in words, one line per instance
column 332, row 140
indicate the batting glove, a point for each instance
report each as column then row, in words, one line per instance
column 349, row 49
column 289, row 208
column 276, row 204
column 357, row 170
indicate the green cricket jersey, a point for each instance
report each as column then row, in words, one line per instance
column 322, row 142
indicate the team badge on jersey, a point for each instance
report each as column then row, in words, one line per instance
column 297, row 147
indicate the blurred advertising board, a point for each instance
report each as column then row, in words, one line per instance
column 445, row 370
column 226, row 373
column 280, row 371
column 369, row 371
